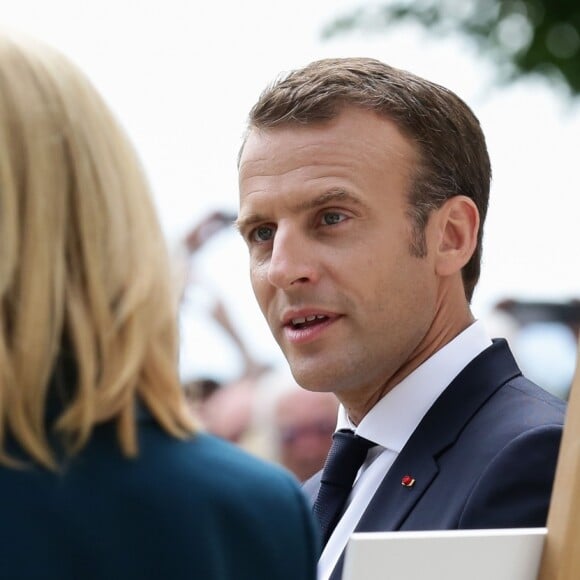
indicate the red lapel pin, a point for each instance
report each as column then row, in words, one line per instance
column 408, row 481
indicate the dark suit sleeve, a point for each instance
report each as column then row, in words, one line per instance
column 514, row 490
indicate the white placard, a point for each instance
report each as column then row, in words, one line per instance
column 507, row 554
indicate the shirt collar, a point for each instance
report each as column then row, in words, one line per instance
column 393, row 419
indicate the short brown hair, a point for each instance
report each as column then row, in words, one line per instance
column 451, row 145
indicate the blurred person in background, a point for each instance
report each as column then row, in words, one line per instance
column 304, row 422
column 544, row 337
column 273, row 418
column 228, row 411
column 103, row 474
column 197, row 391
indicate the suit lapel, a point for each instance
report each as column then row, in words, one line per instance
column 393, row 501
column 437, row 431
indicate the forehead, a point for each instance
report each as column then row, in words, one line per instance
column 352, row 128
column 357, row 144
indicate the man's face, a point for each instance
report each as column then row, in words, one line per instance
column 323, row 209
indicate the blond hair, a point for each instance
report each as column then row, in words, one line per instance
column 83, row 265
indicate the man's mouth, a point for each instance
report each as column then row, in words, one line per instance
column 307, row 321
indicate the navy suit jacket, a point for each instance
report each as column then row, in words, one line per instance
column 182, row 510
column 484, row 456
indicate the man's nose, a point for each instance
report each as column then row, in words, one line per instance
column 292, row 261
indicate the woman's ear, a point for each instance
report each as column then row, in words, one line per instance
column 458, row 226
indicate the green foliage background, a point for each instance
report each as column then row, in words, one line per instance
column 523, row 37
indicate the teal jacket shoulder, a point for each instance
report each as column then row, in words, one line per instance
column 195, row 509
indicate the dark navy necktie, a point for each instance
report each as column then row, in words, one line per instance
column 345, row 458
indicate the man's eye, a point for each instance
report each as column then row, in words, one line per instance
column 262, row 234
column 330, row 218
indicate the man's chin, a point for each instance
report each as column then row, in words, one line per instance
column 312, row 376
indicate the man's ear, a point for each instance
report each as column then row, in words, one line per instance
column 458, row 225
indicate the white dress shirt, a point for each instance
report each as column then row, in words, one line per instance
column 391, row 422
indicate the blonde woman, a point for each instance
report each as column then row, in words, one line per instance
column 102, row 472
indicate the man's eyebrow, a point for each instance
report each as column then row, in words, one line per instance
column 243, row 223
column 330, row 196
column 334, row 195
